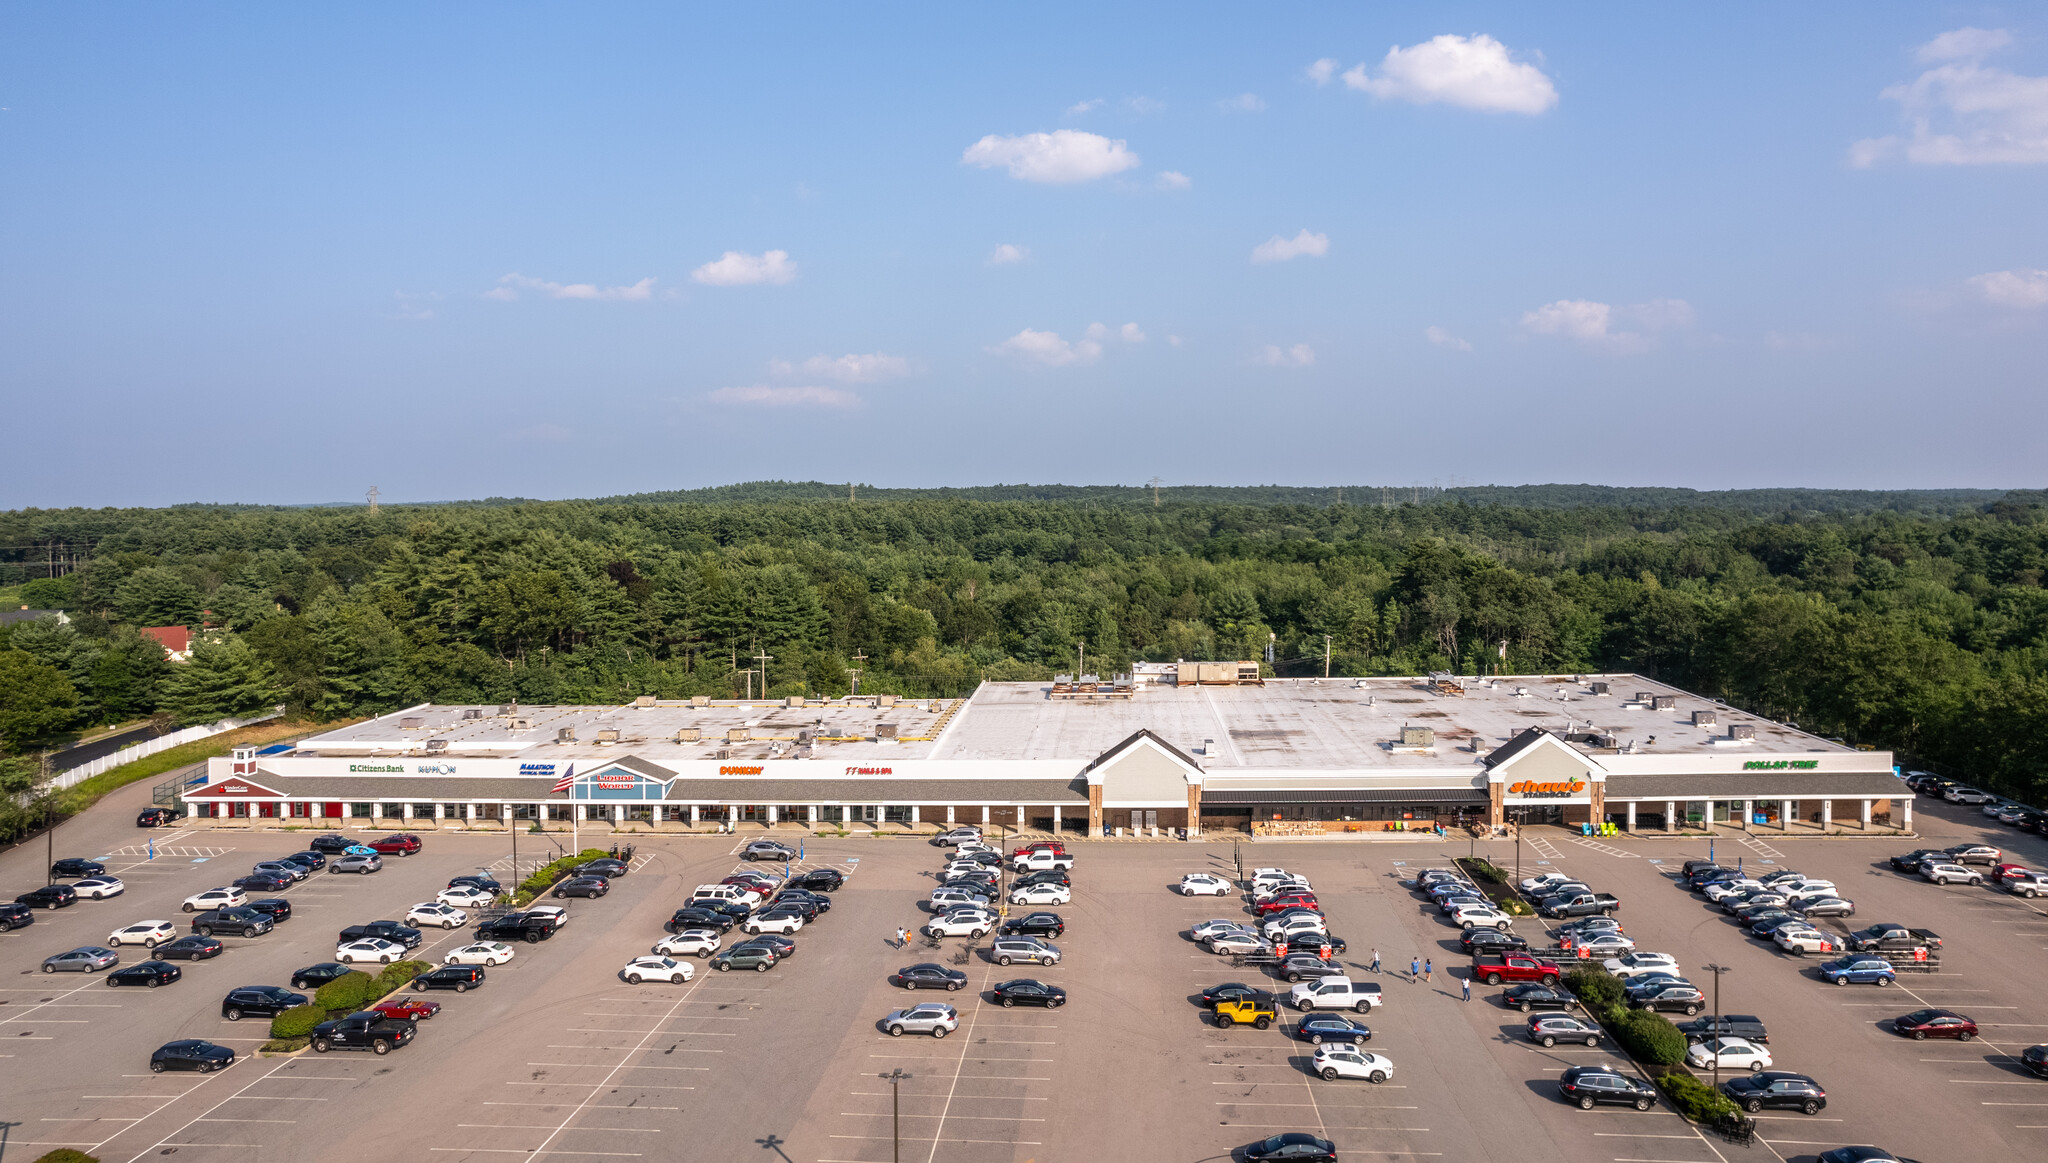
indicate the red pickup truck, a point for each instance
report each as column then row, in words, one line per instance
column 1494, row 968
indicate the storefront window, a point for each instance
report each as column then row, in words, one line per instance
column 643, row 813
column 526, row 811
column 360, row 811
column 301, row 811
column 490, row 811
column 453, row 811
column 561, row 811
column 792, row 812
column 896, row 814
column 423, row 811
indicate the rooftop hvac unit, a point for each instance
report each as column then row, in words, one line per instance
column 1418, row 737
column 1643, row 697
column 472, row 713
column 805, row 734
column 437, row 745
column 885, row 730
column 521, row 724
column 411, row 723
column 794, row 701
column 803, row 751
column 700, row 700
column 723, row 753
column 737, row 734
column 1705, row 718
column 644, row 701
column 885, row 700
column 1742, row 730
column 508, row 708
column 689, row 735
column 565, row 735
column 1664, row 703
column 608, row 735
column 1599, row 688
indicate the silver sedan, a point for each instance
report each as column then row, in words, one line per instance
column 84, row 959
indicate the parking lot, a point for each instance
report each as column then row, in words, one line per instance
column 556, row 1056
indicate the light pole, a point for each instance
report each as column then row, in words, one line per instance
column 1517, row 814
column 1717, row 971
column 895, row 1079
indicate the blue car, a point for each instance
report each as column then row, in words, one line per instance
column 1861, row 969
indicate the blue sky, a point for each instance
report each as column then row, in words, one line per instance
column 261, row 253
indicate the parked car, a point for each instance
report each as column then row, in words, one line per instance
column 369, row 949
column 2030, row 885
column 1027, row 991
column 191, row 948
column 263, row 882
column 148, row 934
column 1031, row 950
column 486, row 953
column 465, row 896
column 1469, row 916
column 1827, row 906
column 1802, row 940
column 191, row 1054
column 1636, row 964
column 1921, row 1025
column 330, row 844
column 693, row 917
column 1491, row 941
column 357, row 864
column 1336, row 993
column 397, row 844
column 436, row 913
column 934, row 1018
column 1302, row 966
column 315, row 976
column 1589, row 1086
column 689, row 943
column 149, row 974
column 767, row 850
column 99, row 888
column 1337, row 1061
column 291, row 870
column 404, row 935
column 260, row 1001
column 968, row 922
column 929, row 975
column 1234, row 991
column 14, row 914
column 583, row 886
column 1745, row 1026
column 1911, row 861
column 1204, row 884
column 1292, row 1147
column 1317, row 1029
column 1685, row 999
column 50, row 896
column 1241, row 941
column 460, row 978
column 1533, row 995
column 1041, row 894
column 2035, row 1058
column 363, row 1030
column 952, row 836
column 758, row 958
column 1860, row 969
column 411, row 1009
column 1776, row 1090
column 245, row 921
column 657, row 968
column 1550, row 1029
column 154, row 817
column 1727, row 1054
column 819, row 880
column 1040, row 924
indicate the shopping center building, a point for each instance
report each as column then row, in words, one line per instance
column 1198, row 747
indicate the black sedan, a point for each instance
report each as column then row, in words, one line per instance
column 1314, row 942
column 1533, row 996
column 985, row 859
column 456, row 977
column 929, row 975
column 1910, row 861
column 315, row 976
column 77, row 866
column 1476, row 940
column 191, row 1054
column 154, row 817
column 278, row 909
column 1035, row 925
column 820, row 880
column 50, row 896
column 1233, row 991
column 261, row 1001
column 1684, row 999
column 782, row 946
column 264, row 882
column 791, row 906
column 145, row 973
column 586, row 886
column 1765, row 921
column 2035, row 1058
column 1026, row 992
column 1292, row 1147
column 192, row 948
column 1589, row 1086
column 698, row 918
column 1777, row 1089
column 330, row 845
column 308, row 859
column 1058, row 876
column 819, row 899
column 603, row 866
column 1320, row 1028
column 487, row 883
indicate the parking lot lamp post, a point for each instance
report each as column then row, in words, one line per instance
column 895, row 1079
column 1717, row 971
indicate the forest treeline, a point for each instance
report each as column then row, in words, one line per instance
column 1915, row 622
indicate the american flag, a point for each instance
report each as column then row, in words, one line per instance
column 568, row 779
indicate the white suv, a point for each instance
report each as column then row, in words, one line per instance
column 962, row 923
column 216, row 898
column 1945, row 873
column 1471, row 916
column 689, row 942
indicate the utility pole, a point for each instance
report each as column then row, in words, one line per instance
column 1326, row 656
column 373, row 494
column 764, row 659
column 1083, row 668
column 855, row 672
column 849, row 492
column 1155, row 482
column 895, row 1079
column 1717, row 971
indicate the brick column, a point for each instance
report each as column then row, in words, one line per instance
column 1194, row 809
column 1496, row 802
column 1095, row 809
column 1597, row 809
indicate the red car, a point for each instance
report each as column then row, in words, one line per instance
column 1923, row 1024
column 1291, row 900
column 412, row 1009
column 396, row 844
column 2005, row 872
column 1041, row 846
column 760, row 884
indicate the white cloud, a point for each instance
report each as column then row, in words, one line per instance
column 1300, row 355
column 1173, row 180
column 1008, row 253
column 853, row 369
column 1964, row 44
column 1080, row 107
column 1144, row 106
column 1129, row 332
column 2025, row 289
column 509, row 286
column 1475, row 73
column 773, row 397
column 1048, row 348
column 737, row 268
column 1242, row 103
column 1964, row 112
column 1174, row 340
column 1442, row 338
column 1596, row 324
column 412, row 307
column 1064, row 155
column 1321, row 71
column 1278, row 249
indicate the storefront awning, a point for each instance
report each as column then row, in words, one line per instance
column 1366, row 795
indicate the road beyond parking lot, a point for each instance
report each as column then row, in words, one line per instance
column 555, row 1056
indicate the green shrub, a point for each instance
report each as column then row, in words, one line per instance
column 1649, row 1037
column 1597, row 988
column 397, row 974
column 346, row 993
column 284, row 1045
column 1695, row 1099
column 67, row 1155
column 297, row 1022
column 547, row 874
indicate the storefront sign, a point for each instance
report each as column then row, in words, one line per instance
column 1535, row 790
column 870, row 771
column 753, row 770
column 377, row 768
column 617, row 783
column 1780, row 764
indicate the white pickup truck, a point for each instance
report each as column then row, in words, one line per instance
column 1042, row 861
column 1336, row 993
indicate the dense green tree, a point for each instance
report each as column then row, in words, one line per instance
column 36, row 700
column 222, row 678
column 154, row 596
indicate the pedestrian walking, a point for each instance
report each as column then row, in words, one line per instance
column 1427, row 969
column 1415, row 969
column 902, row 937
column 1375, row 960
column 1468, row 987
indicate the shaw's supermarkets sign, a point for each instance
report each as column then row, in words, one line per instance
column 1535, row 790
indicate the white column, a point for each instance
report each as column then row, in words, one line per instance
column 1785, row 811
column 405, row 810
column 1671, row 820
column 469, row 811
column 1748, row 813
column 1907, row 818
column 732, row 815
column 913, row 813
column 984, row 817
column 695, row 809
column 1631, row 815
column 771, row 814
column 1827, row 815
column 1020, row 816
column 811, row 815
column 949, row 815
column 1866, row 815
